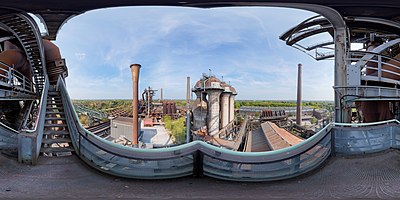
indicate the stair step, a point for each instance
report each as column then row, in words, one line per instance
column 52, row 112
column 56, row 149
column 54, row 93
column 55, row 104
column 57, row 140
column 51, row 132
column 50, row 107
column 54, row 118
column 54, row 99
column 54, row 125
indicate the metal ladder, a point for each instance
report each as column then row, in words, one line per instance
column 56, row 138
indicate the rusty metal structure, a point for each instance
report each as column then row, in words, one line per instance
column 372, row 71
column 135, row 69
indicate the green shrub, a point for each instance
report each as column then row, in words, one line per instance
column 176, row 127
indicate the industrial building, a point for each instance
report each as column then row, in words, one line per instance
column 214, row 107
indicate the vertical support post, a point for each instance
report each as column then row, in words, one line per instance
column 342, row 113
column 299, row 110
column 198, row 158
column 332, row 131
column 135, row 69
column 379, row 67
column 188, row 110
column 10, row 76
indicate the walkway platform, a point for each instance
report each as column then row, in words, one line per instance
column 373, row 176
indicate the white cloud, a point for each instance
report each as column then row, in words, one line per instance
column 172, row 43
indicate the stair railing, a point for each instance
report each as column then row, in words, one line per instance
column 30, row 141
column 375, row 65
column 14, row 79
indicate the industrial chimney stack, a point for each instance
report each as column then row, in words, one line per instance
column 299, row 110
column 135, row 68
column 188, row 110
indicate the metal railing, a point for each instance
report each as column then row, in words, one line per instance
column 9, row 77
column 30, row 141
column 195, row 157
column 377, row 64
column 366, row 137
column 376, row 67
column 370, row 92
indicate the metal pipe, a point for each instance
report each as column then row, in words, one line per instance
column 188, row 110
column 135, row 68
column 299, row 110
column 161, row 94
column 148, row 102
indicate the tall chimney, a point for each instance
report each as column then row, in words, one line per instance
column 161, row 95
column 299, row 110
column 188, row 109
column 135, row 68
column 187, row 91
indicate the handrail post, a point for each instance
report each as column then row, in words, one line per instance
column 10, row 75
column 333, row 139
column 198, row 159
column 379, row 67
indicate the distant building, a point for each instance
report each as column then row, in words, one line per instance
column 122, row 126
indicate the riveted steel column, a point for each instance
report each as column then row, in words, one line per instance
column 342, row 111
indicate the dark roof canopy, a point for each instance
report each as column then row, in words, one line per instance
column 55, row 13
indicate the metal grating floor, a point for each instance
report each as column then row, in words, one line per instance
column 374, row 176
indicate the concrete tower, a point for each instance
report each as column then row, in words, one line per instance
column 232, row 104
column 199, row 107
column 225, row 104
column 214, row 90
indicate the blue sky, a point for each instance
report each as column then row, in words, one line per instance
column 240, row 44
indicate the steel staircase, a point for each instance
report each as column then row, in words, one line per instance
column 56, row 138
column 26, row 31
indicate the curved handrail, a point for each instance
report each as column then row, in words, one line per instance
column 377, row 50
column 161, row 154
column 118, row 160
column 221, row 163
column 366, row 124
column 366, row 137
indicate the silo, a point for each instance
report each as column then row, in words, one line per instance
column 232, row 104
column 200, row 106
column 214, row 90
column 225, row 104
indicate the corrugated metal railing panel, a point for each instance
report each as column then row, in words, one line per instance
column 200, row 157
column 8, row 138
column 179, row 161
column 269, row 171
column 124, row 161
column 366, row 138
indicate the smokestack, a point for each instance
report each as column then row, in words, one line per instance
column 161, row 95
column 188, row 110
column 187, row 91
column 135, row 68
column 299, row 110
